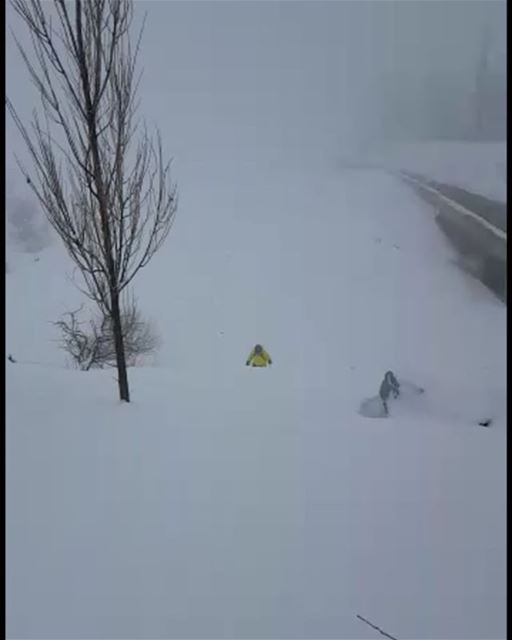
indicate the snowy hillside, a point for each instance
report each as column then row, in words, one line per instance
column 478, row 167
column 230, row 502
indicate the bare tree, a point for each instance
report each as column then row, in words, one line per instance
column 113, row 203
column 91, row 344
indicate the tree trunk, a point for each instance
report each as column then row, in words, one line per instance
column 117, row 330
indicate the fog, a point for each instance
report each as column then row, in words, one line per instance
column 312, row 73
column 247, row 79
column 313, row 76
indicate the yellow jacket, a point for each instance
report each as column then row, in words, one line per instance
column 261, row 359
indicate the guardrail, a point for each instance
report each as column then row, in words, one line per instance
column 482, row 245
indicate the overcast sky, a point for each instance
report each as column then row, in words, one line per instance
column 231, row 79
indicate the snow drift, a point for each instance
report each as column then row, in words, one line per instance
column 232, row 502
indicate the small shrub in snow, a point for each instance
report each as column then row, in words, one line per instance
column 91, row 343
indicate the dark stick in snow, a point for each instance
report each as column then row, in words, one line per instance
column 375, row 627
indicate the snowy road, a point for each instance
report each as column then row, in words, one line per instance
column 233, row 503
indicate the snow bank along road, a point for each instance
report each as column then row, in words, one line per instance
column 475, row 225
column 230, row 502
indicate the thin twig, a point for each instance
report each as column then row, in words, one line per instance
column 375, row 627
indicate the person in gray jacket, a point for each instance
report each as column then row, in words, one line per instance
column 389, row 385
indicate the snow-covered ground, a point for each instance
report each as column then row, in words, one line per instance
column 477, row 167
column 229, row 502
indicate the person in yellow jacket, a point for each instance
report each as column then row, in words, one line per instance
column 258, row 357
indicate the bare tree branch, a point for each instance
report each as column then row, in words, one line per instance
column 383, row 633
